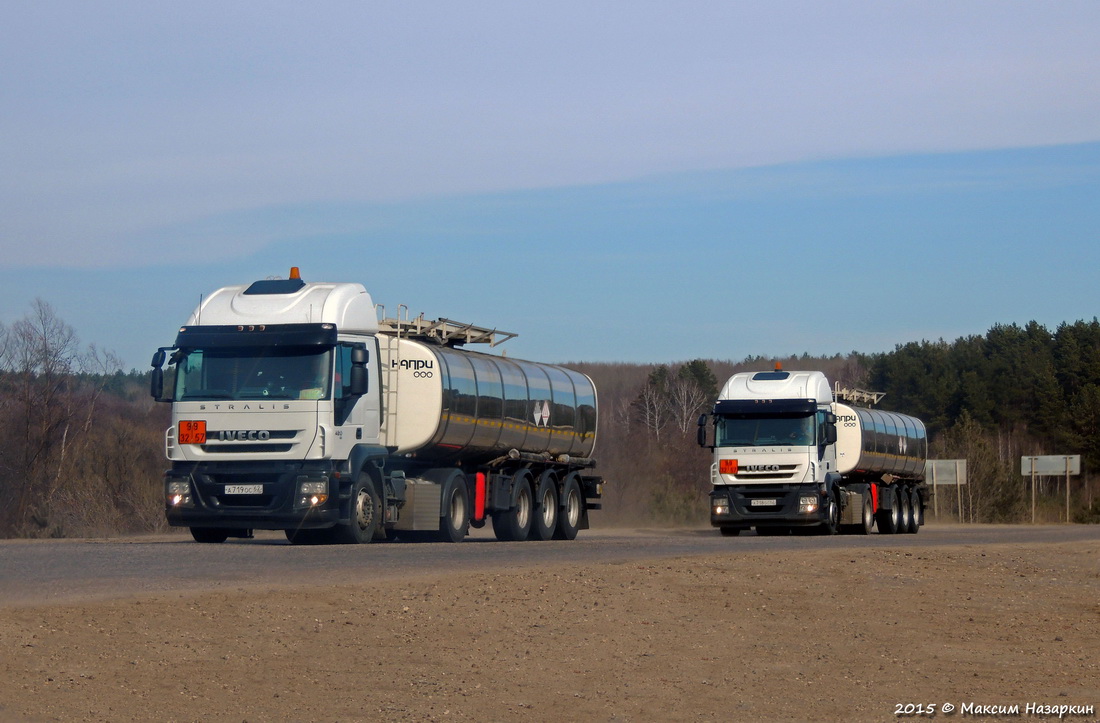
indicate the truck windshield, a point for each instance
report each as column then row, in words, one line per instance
column 253, row 373
column 743, row 431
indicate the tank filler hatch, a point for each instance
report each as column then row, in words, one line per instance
column 444, row 332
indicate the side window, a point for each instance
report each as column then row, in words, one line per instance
column 342, row 382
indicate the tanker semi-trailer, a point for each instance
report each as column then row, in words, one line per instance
column 295, row 408
column 788, row 455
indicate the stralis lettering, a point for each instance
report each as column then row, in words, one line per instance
column 246, row 407
column 411, row 364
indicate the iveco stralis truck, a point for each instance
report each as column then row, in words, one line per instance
column 788, row 456
column 295, row 408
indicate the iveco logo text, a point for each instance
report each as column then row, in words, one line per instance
column 761, row 468
column 244, row 435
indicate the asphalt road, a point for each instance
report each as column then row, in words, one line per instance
column 44, row 571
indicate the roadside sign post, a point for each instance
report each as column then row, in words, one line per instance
column 946, row 472
column 1050, row 465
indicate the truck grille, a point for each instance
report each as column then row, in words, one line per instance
column 278, row 441
column 785, row 472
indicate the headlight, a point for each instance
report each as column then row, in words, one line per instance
column 312, row 492
column 178, row 493
column 719, row 509
column 807, row 505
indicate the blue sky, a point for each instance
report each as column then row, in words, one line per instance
column 615, row 181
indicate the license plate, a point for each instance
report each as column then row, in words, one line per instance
column 763, row 503
column 192, row 431
column 244, row 489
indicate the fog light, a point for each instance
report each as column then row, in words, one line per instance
column 720, row 508
column 807, row 505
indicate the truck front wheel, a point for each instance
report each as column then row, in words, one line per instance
column 364, row 515
column 831, row 526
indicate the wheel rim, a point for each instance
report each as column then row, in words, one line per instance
column 458, row 509
column 364, row 509
column 549, row 513
column 868, row 517
column 573, row 507
column 523, row 508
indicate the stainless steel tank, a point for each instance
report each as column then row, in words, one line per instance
column 877, row 442
column 484, row 405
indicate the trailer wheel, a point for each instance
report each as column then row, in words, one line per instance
column 868, row 519
column 888, row 520
column 546, row 507
column 209, row 534
column 905, row 512
column 455, row 522
column 514, row 524
column 365, row 515
column 572, row 507
column 916, row 512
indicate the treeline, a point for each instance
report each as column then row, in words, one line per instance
column 82, row 443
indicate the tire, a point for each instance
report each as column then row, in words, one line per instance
column 916, row 511
column 730, row 531
column 905, row 513
column 209, row 534
column 831, row 526
column 514, row 523
column 888, row 520
column 365, row 515
column 545, row 520
column 572, row 510
column 454, row 523
column 868, row 523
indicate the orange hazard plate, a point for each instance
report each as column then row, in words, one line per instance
column 192, row 432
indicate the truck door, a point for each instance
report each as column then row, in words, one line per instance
column 357, row 416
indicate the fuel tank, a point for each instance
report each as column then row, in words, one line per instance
column 444, row 403
column 876, row 442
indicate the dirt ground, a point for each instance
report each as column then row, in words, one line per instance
column 789, row 635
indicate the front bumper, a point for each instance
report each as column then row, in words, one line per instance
column 744, row 506
column 261, row 496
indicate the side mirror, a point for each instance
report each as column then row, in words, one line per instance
column 358, row 385
column 701, row 434
column 830, row 433
column 156, row 379
column 359, row 359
